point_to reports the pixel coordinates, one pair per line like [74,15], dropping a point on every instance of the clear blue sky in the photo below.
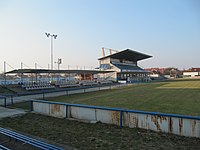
[169,30]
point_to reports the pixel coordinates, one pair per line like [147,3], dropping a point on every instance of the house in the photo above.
[192,73]
[155,72]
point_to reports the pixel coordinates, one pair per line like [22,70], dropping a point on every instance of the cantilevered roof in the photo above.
[128,54]
[56,71]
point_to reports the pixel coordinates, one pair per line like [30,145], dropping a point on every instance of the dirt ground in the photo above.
[96,136]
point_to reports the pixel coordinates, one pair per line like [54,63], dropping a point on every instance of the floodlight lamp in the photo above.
[55,36]
[47,34]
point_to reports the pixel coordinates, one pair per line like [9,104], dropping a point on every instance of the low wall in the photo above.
[169,123]
[10,99]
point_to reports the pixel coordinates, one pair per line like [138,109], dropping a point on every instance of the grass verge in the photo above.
[96,136]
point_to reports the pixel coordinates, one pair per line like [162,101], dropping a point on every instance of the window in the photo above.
[105,66]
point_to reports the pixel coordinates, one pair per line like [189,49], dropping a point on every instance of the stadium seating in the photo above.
[37,86]
[104,81]
[87,83]
[66,84]
[30,86]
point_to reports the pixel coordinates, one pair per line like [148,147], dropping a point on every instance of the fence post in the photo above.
[67,93]
[31,105]
[121,119]
[5,102]
[43,95]
[66,115]
[12,99]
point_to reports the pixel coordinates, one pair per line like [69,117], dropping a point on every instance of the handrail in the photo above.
[28,140]
[3,147]
[118,109]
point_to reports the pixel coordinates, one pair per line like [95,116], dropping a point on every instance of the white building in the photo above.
[192,73]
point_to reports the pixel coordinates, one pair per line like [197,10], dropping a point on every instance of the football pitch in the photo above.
[173,96]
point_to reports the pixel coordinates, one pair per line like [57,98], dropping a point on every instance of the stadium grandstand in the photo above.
[121,66]
[39,79]
[124,65]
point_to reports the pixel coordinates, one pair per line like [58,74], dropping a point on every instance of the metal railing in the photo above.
[156,121]
[28,140]
[3,148]
[4,99]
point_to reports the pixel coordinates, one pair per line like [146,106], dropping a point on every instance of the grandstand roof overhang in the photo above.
[37,71]
[128,54]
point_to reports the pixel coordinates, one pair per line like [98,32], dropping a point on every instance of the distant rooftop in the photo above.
[192,70]
[128,54]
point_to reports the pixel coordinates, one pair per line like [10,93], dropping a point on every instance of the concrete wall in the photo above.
[169,123]
[15,99]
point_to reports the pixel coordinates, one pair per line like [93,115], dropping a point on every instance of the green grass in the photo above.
[179,97]
[176,96]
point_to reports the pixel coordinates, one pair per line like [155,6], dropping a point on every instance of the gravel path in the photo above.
[6,112]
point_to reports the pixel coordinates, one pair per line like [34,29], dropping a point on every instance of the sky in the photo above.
[168,30]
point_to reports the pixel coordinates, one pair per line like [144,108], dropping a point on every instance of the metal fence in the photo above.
[169,123]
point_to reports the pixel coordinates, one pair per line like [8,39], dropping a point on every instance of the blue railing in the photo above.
[28,140]
[115,109]
[3,148]
[4,98]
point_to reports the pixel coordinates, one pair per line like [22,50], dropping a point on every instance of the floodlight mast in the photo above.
[52,36]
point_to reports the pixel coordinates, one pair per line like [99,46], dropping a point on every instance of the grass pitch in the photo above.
[176,96]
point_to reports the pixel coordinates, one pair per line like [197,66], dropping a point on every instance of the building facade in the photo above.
[192,73]
[124,65]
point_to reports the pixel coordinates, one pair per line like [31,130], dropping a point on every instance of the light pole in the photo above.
[58,62]
[4,72]
[52,36]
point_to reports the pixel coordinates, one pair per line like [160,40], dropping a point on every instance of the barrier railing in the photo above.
[28,140]
[4,99]
[170,123]
[3,148]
